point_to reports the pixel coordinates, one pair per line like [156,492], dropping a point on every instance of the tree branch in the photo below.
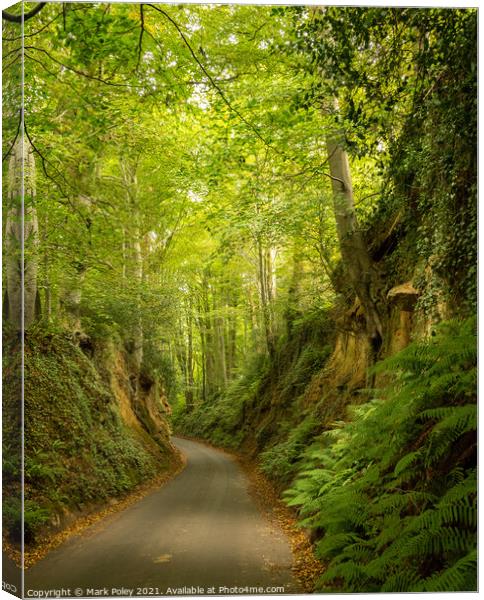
[367,197]
[43,160]
[7,54]
[12,62]
[142,30]
[20,37]
[6,16]
[77,72]
[7,154]
[61,81]
[224,97]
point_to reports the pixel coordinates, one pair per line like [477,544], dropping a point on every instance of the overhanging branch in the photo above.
[6,16]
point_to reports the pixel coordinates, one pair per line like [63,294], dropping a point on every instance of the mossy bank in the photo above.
[88,437]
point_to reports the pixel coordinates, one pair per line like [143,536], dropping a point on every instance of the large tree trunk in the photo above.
[356,258]
[21,229]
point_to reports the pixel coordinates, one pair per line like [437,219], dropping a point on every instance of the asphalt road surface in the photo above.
[200,530]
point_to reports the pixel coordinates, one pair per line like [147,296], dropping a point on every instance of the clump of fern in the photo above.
[392,494]
[281,461]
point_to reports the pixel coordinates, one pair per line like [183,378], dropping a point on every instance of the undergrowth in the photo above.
[78,450]
[220,420]
[228,420]
[282,461]
[392,494]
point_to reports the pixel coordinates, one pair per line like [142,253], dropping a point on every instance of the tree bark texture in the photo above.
[21,229]
[357,260]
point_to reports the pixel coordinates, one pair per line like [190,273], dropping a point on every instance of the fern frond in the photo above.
[351,572]
[405,462]
[467,488]
[435,541]
[401,582]
[460,577]
[454,422]
[331,544]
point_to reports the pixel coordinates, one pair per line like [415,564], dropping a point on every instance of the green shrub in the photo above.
[34,517]
[40,468]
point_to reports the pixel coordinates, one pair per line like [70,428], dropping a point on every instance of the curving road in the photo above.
[199,531]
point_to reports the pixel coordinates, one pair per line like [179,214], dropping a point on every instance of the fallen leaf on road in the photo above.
[163,558]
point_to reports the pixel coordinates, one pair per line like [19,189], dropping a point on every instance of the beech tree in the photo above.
[194,195]
[359,265]
[21,236]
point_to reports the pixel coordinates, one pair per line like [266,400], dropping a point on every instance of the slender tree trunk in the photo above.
[231,331]
[265,298]
[47,282]
[125,258]
[190,375]
[203,352]
[252,316]
[217,325]
[292,309]
[181,355]
[48,299]
[211,373]
[72,295]
[271,275]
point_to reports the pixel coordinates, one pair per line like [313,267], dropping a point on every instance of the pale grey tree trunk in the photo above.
[189,394]
[72,295]
[138,277]
[21,228]
[357,260]
[134,236]
[265,296]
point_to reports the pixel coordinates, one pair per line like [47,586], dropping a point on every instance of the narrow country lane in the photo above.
[201,530]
